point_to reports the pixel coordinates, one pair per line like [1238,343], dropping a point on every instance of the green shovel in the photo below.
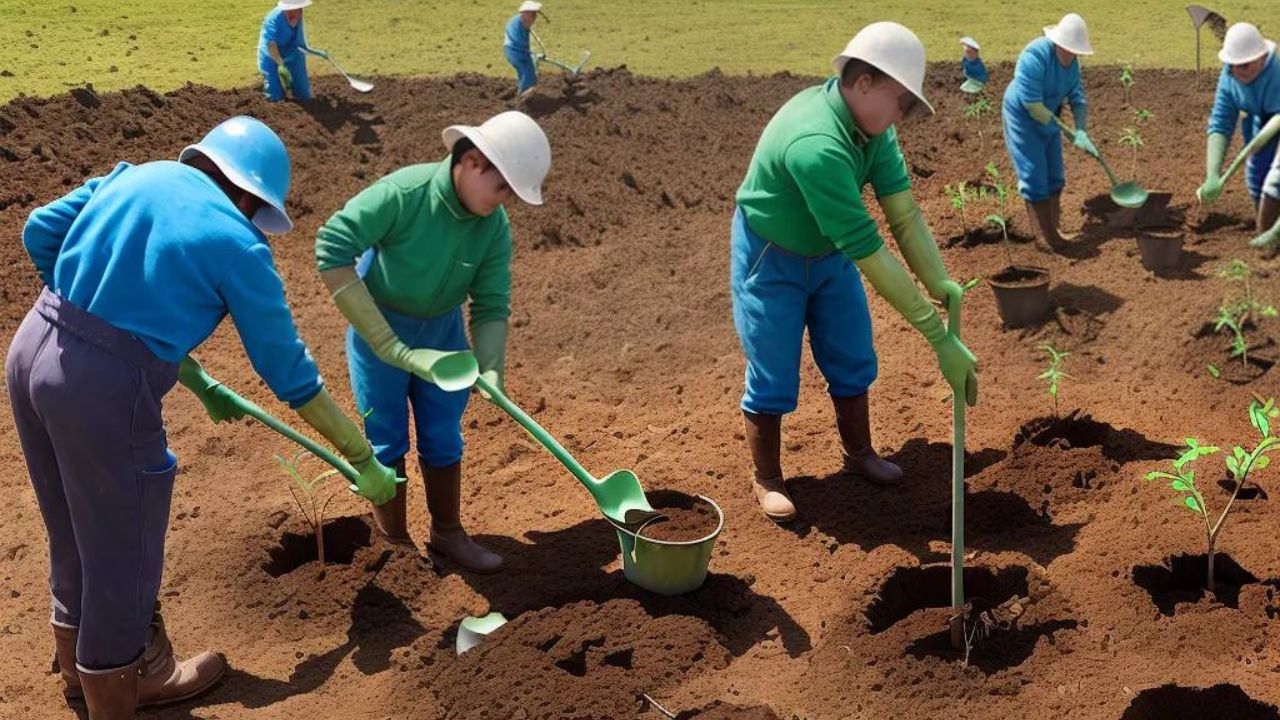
[618,494]
[1127,194]
[957,490]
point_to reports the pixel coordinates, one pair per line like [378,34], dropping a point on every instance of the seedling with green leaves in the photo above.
[1000,219]
[959,196]
[1141,115]
[1250,307]
[975,110]
[1054,374]
[1126,81]
[1240,463]
[1232,317]
[315,492]
[1133,139]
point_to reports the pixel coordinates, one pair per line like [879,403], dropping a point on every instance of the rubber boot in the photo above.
[390,517]
[444,501]
[165,679]
[1055,218]
[111,694]
[853,419]
[1041,213]
[64,660]
[764,437]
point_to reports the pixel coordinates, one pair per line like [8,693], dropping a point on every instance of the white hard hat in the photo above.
[970,42]
[1244,43]
[530,6]
[892,49]
[1070,34]
[292,4]
[514,143]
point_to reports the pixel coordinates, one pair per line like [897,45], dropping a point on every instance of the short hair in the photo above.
[855,68]
[460,148]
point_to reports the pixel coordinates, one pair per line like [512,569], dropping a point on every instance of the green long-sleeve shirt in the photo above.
[431,253]
[803,189]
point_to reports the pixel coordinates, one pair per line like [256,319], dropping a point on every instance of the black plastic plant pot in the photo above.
[1161,247]
[1022,295]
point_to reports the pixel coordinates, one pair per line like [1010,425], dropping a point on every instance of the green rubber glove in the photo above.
[352,297]
[376,482]
[1215,152]
[916,242]
[286,78]
[893,283]
[1082,141]
[490,342]
[1268,240]
[1039,112]
[218,400]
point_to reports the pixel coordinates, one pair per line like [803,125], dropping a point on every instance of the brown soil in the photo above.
[1018,276]
[622,339]
[692,520]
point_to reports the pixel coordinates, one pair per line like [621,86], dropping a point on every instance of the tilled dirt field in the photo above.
[623,345]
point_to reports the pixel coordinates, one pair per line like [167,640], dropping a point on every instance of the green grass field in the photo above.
[51,45]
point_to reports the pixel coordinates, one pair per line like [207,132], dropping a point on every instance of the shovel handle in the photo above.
[531,426]
[1264,136]
[954,301]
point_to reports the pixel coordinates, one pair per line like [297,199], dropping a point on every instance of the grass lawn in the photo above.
[51,45]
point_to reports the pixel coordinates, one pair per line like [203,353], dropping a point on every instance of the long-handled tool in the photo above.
[1263,137]
[356,84]
[1127,194]
[619,494]
[544,56]
[957,489]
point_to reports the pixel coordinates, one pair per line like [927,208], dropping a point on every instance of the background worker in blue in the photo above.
[140,266]
[971,62]
[1046,76]
[801,240]
[1249,85]
[282,45]
[516,45]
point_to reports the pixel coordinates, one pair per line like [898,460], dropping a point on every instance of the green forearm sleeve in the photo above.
[1039,112]
[915,241]
[1215,152]
[490,341]
[893,283]
[322,414]
[352,297]
[1081,114]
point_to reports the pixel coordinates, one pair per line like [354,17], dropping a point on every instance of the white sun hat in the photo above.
[514,143]
[292,4]
[1070,34]
[530,6]
[894,50]
[970,42]
[1244,43]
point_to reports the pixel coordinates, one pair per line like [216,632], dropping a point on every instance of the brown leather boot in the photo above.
[165,679]
[111,694]
[1043,222]
[444,501]
[764,437]
[64,660]
[853,419]
[390,517]
[1055,217]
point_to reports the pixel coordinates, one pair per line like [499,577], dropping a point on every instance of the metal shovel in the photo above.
[1264,136]
[1125,194]
[618,494]
[357,85]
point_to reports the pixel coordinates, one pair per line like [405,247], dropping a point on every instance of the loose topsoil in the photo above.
[693,521]
[622,341]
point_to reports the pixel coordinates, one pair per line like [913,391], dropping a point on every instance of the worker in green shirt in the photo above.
[800,238]
[428,237]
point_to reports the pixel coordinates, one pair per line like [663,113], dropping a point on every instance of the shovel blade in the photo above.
[1129,195]
[359,85]
[621,497]
[453,371]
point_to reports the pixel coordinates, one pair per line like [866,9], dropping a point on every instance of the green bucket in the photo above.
[667,567]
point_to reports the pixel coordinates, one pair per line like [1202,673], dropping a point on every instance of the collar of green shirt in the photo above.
[442,190]
[841,109]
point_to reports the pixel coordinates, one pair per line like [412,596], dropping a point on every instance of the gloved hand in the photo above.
[1268,240]
[352,297]
[286,78]
[889,279]
[376,483]
[1039,112]
[219,401]
[1083,142]
[1215,151]
[916,242]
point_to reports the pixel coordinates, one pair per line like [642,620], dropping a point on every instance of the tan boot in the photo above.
[64,647]
[110,694]
[444,501]
[390,517]
[1055,218]
[764,437]
[853,419]
[165,679]
[1042,220]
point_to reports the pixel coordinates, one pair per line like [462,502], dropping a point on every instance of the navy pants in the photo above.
[526,71]
[86,404]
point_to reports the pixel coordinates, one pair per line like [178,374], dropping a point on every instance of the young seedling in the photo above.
[975,110]
[958,194]
[1232,317]
[1001,219]
[314,491]
[1239,464]
[1141,115]
[1238,271]
[1126,80]
[1131,137]
[1054,374]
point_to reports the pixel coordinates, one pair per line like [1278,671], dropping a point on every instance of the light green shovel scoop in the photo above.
[1127,194]
[618,494]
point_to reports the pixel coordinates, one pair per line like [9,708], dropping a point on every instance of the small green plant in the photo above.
[975,110]
[1240,463]
[314,491]
[1238,271]
[1000,219]
[1231,317]
[1131,137]
[1126,81]
[959,197]
[1054,374]
[1141,115]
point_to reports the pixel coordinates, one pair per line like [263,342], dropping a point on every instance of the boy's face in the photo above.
[970,53]
[1246,73]
[878,104]
[293,16]
[527,17]
[481,188]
